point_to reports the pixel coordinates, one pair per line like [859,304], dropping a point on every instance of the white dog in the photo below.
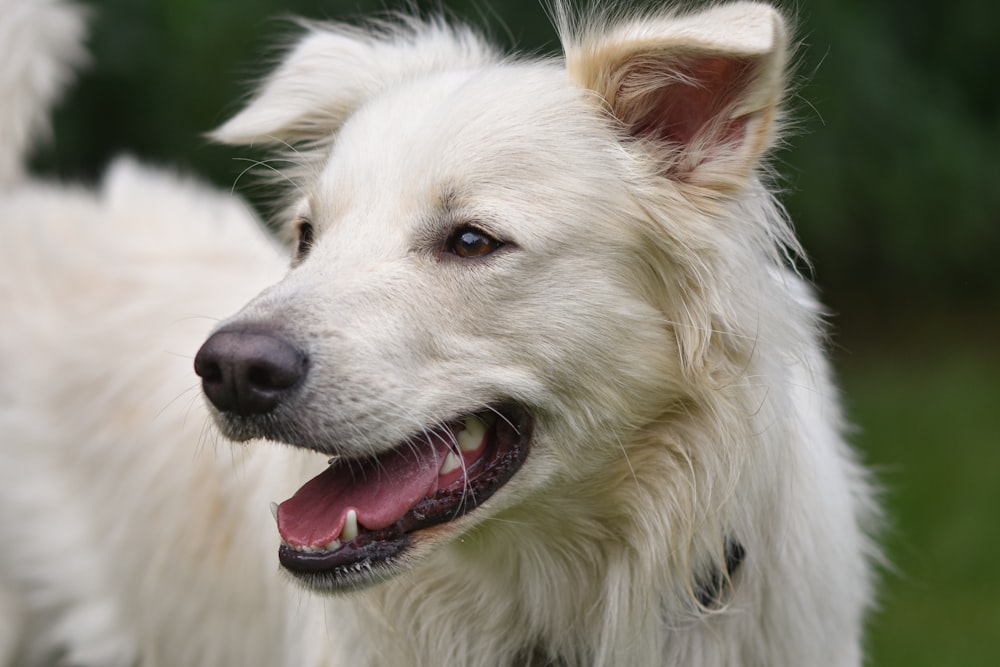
[539,313]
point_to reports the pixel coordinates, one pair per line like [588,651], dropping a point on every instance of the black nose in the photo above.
[248,372]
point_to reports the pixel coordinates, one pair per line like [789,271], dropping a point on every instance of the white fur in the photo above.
[39,39]
[646,316]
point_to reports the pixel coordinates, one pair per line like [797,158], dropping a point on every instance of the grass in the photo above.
[927,413]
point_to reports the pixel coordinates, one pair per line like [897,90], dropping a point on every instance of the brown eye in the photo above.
[470,242]
[305,240]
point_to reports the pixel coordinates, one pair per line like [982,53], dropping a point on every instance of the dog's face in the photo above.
[474,311]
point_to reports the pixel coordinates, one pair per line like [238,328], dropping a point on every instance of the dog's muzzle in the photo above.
[353,523]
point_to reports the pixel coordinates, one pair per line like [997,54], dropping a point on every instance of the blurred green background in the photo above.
[892,176]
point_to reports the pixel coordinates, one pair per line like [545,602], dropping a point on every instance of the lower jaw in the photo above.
[348,568]
[369,559]
[374,556]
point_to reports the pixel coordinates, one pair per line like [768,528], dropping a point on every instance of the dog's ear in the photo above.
[700,91]
[334,69]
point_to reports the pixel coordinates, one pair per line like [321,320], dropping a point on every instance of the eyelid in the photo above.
[483,226]
[303,238]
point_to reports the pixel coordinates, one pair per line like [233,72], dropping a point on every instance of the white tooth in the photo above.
[333,546]
[451,462]
[472,435]
[274,510]
[350,530]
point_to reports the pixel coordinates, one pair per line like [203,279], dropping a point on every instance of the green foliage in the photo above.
[896,186]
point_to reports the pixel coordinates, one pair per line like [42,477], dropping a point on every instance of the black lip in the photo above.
[375,555]
[352,566]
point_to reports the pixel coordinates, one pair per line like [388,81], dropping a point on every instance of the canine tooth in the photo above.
[470,437]
[274,510]
[350,530]
[451,462]
[333,546]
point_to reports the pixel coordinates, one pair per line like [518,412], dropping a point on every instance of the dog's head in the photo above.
[501,268]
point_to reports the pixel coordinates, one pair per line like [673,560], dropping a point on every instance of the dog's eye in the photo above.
[469,242]
[305,239]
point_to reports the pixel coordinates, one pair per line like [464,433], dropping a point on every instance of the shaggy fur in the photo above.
[688,498]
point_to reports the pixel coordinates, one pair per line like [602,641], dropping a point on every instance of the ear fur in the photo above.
[334,68]
[700,90]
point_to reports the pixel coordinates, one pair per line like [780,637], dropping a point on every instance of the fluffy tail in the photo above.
[40,42]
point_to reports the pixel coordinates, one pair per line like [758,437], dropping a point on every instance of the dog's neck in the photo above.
[493,583]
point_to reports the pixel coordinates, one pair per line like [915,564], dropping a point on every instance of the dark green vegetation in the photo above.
[926,405]
[892,175]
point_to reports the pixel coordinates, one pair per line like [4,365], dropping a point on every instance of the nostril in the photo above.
[261,377]
[275,375]
[208,371]
[248,372]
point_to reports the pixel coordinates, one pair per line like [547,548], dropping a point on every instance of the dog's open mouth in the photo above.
[349,525]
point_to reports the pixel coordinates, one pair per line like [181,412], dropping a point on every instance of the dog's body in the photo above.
[591,257]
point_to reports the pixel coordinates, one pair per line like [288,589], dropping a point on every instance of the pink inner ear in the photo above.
[692,102]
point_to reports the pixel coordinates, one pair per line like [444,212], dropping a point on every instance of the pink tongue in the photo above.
[381,492]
